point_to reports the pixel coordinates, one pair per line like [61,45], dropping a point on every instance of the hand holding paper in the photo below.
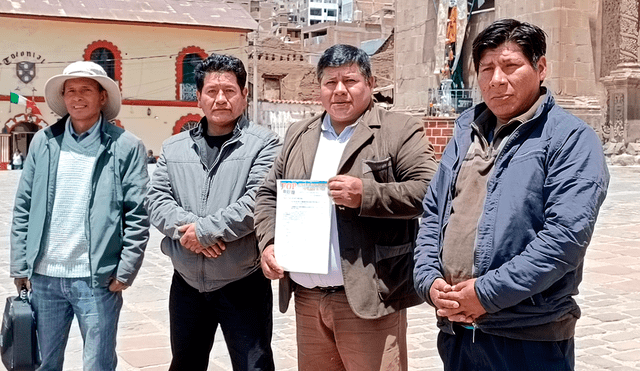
[346,191]
[269,265]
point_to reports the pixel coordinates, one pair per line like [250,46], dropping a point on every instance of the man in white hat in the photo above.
[79,225]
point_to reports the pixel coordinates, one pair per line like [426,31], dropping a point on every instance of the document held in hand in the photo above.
[303,226]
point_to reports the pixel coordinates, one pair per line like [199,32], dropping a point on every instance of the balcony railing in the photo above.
[451,102]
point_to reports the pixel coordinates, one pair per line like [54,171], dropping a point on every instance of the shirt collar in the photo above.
[92,132]
[330,132]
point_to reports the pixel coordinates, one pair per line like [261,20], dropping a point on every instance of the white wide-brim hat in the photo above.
[54,86]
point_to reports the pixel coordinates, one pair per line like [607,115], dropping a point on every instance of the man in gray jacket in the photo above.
[202,198]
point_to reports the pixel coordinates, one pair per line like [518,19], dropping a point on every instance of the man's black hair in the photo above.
[531,38]
[220,63]
[340,55]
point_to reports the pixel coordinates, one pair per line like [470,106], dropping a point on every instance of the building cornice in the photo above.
[124,22]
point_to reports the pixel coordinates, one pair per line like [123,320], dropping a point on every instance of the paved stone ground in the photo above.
[608,335]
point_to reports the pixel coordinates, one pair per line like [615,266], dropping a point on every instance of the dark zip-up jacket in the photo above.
[543,197]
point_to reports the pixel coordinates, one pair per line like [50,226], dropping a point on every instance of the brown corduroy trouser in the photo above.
[331,337]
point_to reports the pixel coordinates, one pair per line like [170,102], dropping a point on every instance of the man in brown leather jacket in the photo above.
[378,165]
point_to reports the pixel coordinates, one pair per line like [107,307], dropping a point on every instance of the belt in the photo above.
[329,289]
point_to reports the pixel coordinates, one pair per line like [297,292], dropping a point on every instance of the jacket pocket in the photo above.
[380,170]
[394,269]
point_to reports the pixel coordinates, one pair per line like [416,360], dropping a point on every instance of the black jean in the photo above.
[243,309]
[461,352]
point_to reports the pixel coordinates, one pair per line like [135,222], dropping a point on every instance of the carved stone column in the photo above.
[620,64]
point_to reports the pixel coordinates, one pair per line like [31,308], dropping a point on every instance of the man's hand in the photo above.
[189,238]
[437,292]
[116,285]
[214,250]
[270,267]
[470,308]
[22,282]
[190,241]
[346,191]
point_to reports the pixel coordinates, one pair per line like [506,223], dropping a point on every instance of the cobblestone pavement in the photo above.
[608,335]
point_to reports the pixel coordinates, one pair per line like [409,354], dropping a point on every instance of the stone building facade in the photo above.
[284,73]
[576,57]
[620,73]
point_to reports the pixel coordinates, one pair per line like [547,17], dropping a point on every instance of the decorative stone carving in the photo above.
[617,127]
[619,33]
[621,70]
[610,29]
[628,31]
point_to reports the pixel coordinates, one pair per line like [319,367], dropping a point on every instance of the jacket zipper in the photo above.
[215,163]
[473,335]
[87,222]
[205,197]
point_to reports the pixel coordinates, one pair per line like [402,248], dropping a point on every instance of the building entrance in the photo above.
[17,134]
[21,136]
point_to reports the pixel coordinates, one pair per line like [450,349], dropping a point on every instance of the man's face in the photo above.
[222,101]
[83,99]
[509,83]
[345,93]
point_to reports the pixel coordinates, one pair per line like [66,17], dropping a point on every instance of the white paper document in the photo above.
[303,226]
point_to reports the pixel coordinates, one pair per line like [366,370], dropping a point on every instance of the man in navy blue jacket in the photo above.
[509,215]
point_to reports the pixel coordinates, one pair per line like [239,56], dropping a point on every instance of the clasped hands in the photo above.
[458,303]
[190,241]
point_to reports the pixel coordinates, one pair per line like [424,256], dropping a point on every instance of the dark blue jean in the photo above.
[243,309]
[461,352]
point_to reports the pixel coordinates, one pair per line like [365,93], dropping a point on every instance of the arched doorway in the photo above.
[17,134]
[21,136]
